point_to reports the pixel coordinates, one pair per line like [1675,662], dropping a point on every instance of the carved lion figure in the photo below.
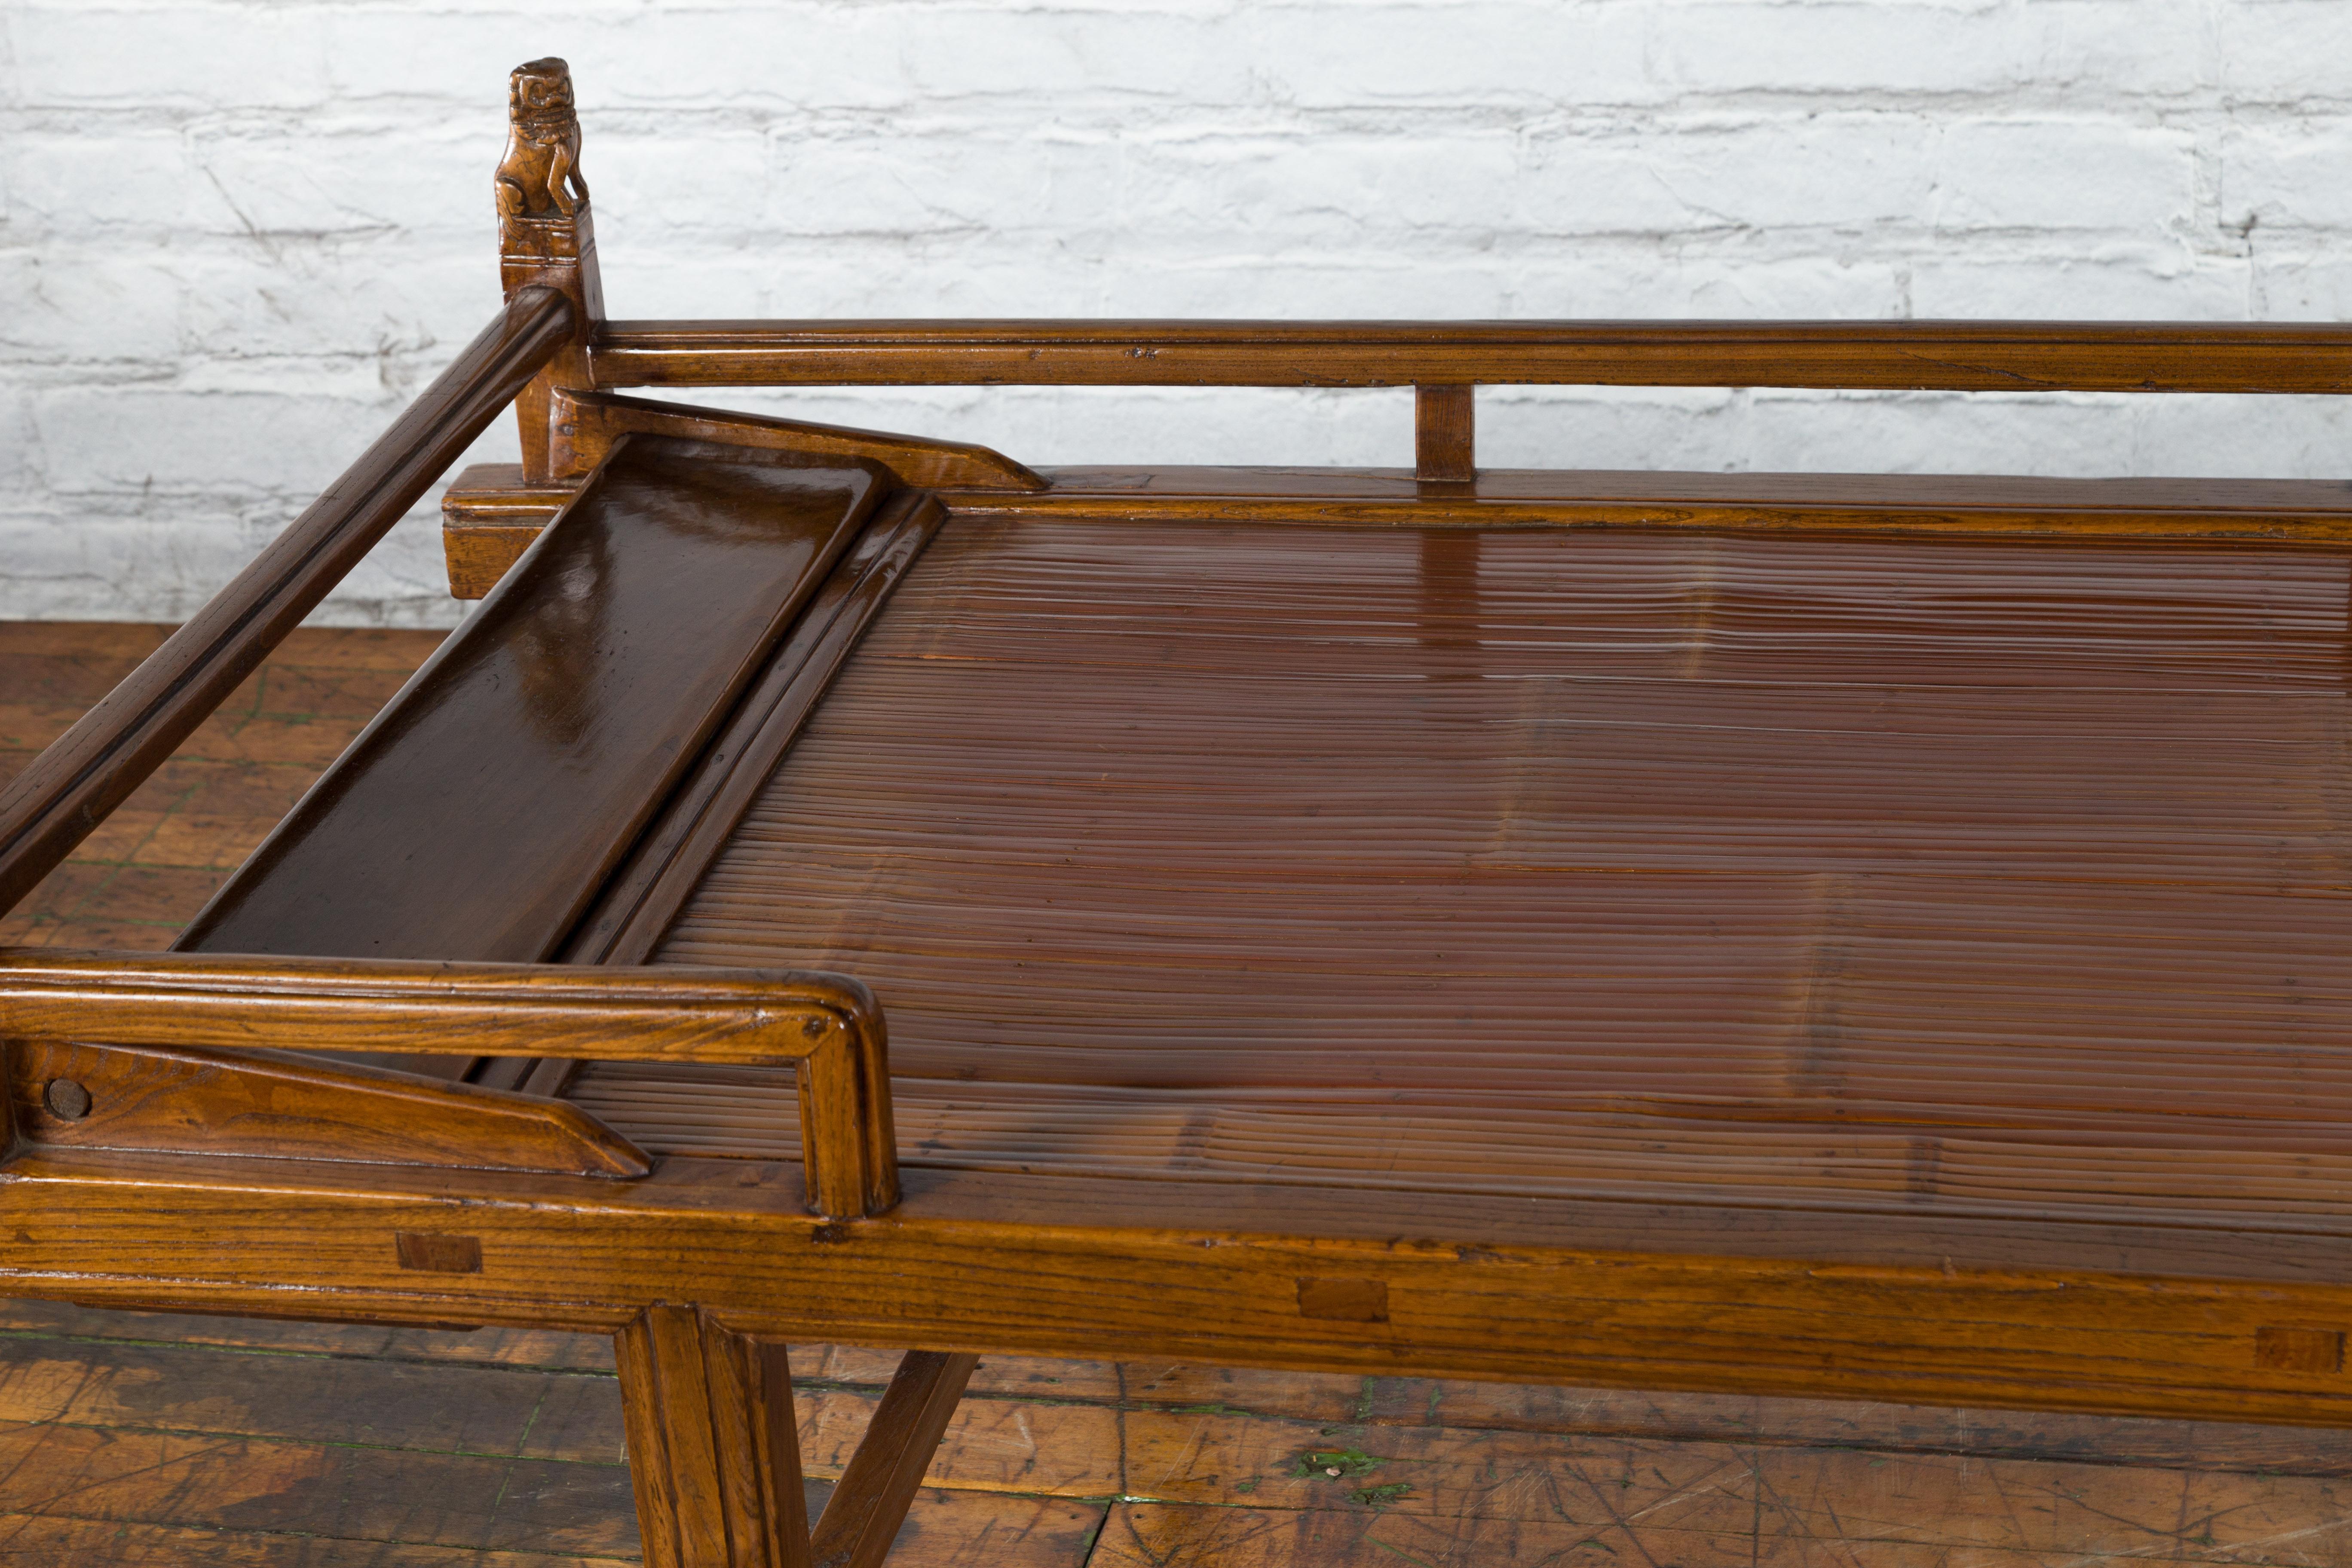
[540,175]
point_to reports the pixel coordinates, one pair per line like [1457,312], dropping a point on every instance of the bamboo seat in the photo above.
[1985,877]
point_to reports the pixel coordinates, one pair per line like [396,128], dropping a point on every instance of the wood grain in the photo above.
[643,896]
[715,1460]
[547,237]
[218,1103]
[1445,434]
[134,882]
[1494,931]
[561,711]
[588,423]
[1954,356]
[54,802]
[2282,510]
[1143,1535]
[830,1027]
[1143,1270]
[482,1502]
[1714,1489]
[482,542]
[1837,874]
[66,1542]
[1013,1477]
[489,515]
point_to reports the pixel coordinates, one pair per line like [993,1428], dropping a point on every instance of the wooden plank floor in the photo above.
[151,1440]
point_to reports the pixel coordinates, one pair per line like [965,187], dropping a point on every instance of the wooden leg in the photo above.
[714,1451]
[871,1501]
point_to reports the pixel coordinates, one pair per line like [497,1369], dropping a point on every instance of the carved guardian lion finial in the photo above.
[540,176]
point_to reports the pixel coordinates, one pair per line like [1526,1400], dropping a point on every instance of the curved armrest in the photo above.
[828,1025]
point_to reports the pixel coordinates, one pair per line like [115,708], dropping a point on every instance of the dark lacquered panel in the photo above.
[2003,877]
[481,811]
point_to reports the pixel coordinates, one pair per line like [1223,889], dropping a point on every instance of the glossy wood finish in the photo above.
[2317,511]
[484,536]
[645,896]
[54,802]
[1445,434]
[560,714]
[546,239]
[1838,874]
[134,883]
[713,1446]
[829,1028]
[489,515]
[1951,356]
[587,424]
[2024,1314]
[1512,927]
[159,1101]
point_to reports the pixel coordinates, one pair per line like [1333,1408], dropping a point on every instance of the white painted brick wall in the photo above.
[236,235]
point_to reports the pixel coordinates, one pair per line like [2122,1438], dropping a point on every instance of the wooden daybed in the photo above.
[1834,935]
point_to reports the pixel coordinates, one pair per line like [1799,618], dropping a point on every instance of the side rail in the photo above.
[827,1025]
[1444,361]
[68,790]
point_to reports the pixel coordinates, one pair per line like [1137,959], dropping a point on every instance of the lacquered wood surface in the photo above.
[135,883]
[1445,434]
[547,237]
[157,1100]
[66,792]
[1731,925]
[489,516]
[482,810]
[645,892]
[2287,510]
[491,519]
[713,1444]
[588,423]
[2121,1319]
[825,1027]
[1961,356]
[1966,879]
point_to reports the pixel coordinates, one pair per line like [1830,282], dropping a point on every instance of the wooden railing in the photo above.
[1952,356]
[68,789]
[828,1026]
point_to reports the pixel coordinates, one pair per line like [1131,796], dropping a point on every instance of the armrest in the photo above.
[90,769]
[828,1026]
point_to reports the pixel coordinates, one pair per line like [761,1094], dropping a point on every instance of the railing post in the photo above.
[546,240]
[1445,434]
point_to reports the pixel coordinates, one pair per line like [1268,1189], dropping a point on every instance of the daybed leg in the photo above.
[714,1452]
[879,1483]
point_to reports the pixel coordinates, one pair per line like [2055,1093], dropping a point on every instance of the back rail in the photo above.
[1930,356]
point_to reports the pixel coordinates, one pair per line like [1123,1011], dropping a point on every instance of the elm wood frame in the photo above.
[703,1268]
[828,1027]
